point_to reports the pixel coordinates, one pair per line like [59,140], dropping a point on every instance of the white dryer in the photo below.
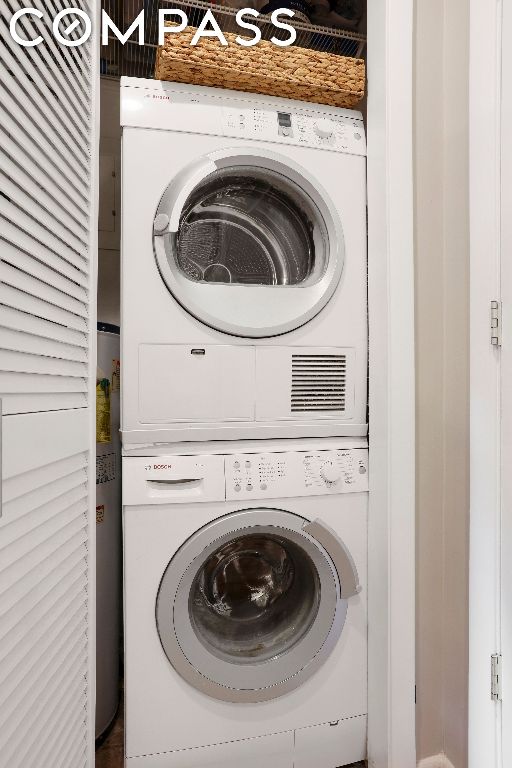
[245,607]
[244,309]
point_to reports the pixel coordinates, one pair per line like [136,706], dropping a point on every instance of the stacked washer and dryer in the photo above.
[244,429]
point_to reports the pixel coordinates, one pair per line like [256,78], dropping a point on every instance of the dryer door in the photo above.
[253,603]
[248,242]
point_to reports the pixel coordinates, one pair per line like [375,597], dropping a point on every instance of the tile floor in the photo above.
[110,753]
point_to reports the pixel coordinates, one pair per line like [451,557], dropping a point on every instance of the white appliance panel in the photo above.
[261,408]
[203,382]
[155,728]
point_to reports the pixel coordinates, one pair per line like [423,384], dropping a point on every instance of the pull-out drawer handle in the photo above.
[176,484]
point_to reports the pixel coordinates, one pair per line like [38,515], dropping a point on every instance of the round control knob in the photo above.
[330,473]
[324,128]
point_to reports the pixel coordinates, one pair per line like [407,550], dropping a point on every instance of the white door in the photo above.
[490,593]
[48,223]
[505,598]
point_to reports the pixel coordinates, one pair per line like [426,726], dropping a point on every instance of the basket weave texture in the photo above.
[292,72]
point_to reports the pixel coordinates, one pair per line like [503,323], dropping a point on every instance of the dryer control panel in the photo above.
[285,475]
[216,112]
[339,133]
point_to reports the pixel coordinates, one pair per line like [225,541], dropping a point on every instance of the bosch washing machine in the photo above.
[244,307]
[245,605]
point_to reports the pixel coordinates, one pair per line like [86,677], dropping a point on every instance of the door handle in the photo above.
[339,554]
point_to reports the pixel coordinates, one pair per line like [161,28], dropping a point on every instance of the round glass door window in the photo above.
[251,605]
[247,226]
[254,598]
[248,245]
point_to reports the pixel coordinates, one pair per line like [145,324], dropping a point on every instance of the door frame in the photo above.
[484,737]
[391,531]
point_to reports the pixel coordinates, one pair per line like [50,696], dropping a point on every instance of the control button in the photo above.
[249,486]
[236,465]
[237,488]
[330,473]
[362,470]
[263,486]
[357,136]
[247,464]
[324,128]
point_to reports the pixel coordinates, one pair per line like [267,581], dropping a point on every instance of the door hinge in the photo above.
[496,677]
[496,323]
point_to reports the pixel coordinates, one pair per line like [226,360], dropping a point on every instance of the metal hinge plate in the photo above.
[496,677]
[496,323]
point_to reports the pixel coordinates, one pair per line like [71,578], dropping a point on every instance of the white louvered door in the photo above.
[48,241]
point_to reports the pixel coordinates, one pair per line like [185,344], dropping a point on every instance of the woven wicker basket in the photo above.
[293,73]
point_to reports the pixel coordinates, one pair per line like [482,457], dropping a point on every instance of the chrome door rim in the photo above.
[248,682]
[293,306]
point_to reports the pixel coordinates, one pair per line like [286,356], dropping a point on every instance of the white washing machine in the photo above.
[244,309]
[245,606]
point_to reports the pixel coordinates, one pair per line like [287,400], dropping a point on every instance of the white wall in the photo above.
[442,358]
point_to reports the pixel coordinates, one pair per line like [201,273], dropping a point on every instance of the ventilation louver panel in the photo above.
[318,383]
[46,146]
[48,242]
[44,615]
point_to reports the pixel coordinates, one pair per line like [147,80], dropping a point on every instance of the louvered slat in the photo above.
[318,383]
[34,386]
[19,299]
[41,234]
[53,610]
[36,542]
[48,73]
[21,363]
[67,57]
[44,175]
[70,557]
[23,679]
[46,402]
[42,475]
[24,121]
[37,326]
[53,271]
[26,242]
[29,91]
[18,278]
[42,155]
[38,204]
[34,345]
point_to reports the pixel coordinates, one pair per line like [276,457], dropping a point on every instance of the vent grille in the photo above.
[319,383]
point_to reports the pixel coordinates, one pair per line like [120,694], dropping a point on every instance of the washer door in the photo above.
[248,243]
[253,603]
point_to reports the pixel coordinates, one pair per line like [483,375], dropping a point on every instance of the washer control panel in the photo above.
[284,475]
[339,133]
